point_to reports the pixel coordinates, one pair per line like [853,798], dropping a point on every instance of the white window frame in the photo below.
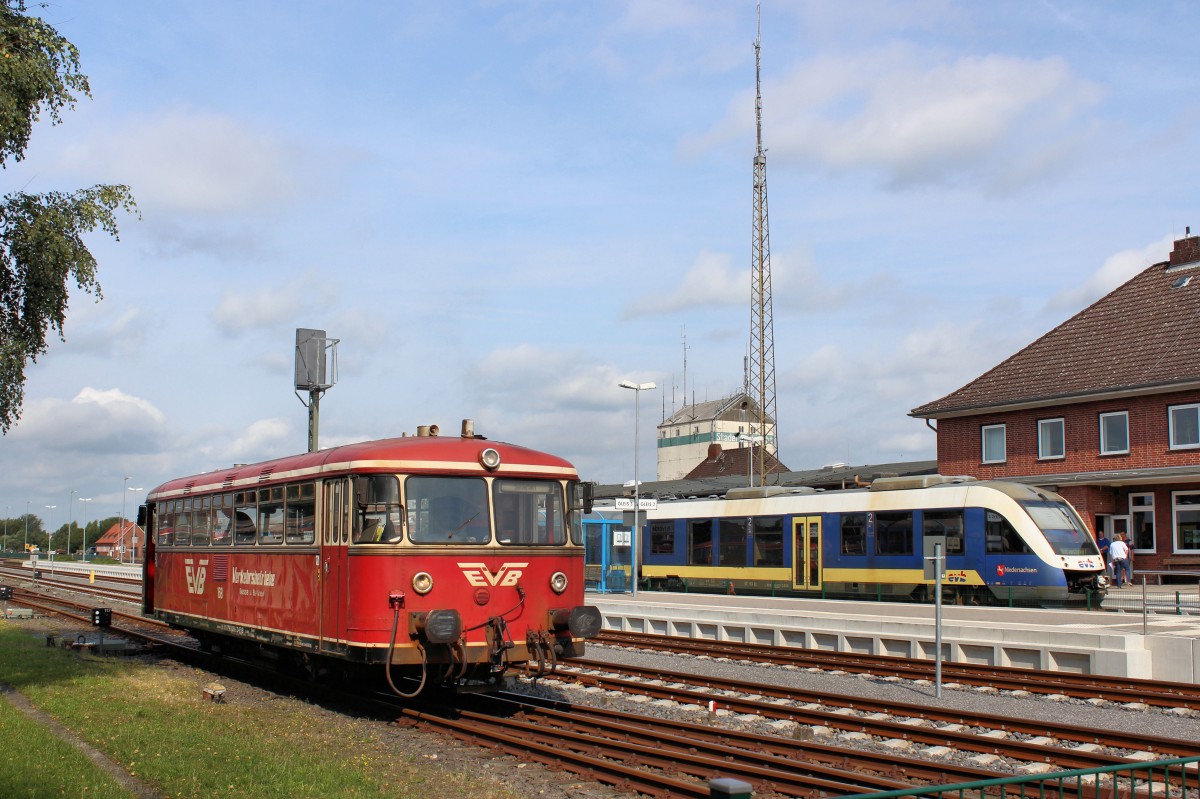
[1175,507]
[1171,409]
[1045,424]
[1137,510]
[1104,448]
[983,443]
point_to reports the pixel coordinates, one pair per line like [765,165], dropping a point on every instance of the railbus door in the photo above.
[335,535]
[806,553]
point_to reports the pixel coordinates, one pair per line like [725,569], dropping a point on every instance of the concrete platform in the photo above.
[1161,646]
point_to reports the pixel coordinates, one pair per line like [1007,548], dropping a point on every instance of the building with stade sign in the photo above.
[1104,409]
[684,439]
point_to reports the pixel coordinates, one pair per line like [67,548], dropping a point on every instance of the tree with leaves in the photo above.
[41,235]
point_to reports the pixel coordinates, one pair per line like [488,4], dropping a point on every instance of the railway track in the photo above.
[1156,693]
[659,756]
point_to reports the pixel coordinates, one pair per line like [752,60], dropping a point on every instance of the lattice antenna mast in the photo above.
[762,333]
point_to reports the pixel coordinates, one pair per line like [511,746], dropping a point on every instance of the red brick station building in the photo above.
[1104,409]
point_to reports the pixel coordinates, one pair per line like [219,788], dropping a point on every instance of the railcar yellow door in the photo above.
[806,553]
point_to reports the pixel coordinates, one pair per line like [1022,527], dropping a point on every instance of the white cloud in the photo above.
[193,162]
[977,117]
[241,310]
[711,280]
[1116,269]
[94,421]
[263,440]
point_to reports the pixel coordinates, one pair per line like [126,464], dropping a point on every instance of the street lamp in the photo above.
[50,537]
[121,535]
[85,499]
[26,527]
[70,519]
[635,539]
[6,510]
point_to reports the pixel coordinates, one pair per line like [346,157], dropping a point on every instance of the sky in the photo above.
[500,209]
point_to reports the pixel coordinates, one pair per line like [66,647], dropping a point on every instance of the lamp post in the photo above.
[70,519]
[26,527]
[6,510]
[85,499]
[635,539]
[121,535]
[50,538]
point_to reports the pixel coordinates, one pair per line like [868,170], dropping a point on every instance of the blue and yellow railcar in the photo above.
[1000,541]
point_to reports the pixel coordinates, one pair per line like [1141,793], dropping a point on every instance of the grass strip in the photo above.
[153,720]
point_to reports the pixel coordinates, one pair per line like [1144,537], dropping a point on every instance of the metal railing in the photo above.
[1178,777]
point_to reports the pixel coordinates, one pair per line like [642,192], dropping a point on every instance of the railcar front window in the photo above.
[1063,528]
[448,510]
[529,512]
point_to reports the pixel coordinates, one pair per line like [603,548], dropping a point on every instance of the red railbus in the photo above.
[450,560]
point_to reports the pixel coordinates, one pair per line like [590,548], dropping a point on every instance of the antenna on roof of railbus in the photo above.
[316,372]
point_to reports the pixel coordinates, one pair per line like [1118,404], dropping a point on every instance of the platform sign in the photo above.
[644,503]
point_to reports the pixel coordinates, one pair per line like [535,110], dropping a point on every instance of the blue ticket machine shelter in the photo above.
[608,545]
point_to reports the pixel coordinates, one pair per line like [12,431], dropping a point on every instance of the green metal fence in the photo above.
[1179,777]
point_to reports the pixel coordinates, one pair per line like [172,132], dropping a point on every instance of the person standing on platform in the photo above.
[1121,565]
[1103,544]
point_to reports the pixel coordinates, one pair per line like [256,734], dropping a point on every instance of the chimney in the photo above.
[1187,250]
[714,451]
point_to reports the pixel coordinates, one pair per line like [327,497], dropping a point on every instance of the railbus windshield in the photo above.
[1064,529]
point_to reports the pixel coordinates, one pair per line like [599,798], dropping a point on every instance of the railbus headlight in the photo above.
[558,582]
[489,459]
[422,583]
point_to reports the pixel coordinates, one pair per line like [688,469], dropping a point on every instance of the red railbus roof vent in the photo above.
[266,474]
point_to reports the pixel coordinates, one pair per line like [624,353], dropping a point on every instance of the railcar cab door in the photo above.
[806,553]
[335,535]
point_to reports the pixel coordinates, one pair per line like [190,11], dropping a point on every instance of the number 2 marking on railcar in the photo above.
[195,575]
[479,575]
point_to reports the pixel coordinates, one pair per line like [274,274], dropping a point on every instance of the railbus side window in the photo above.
[1001,537]
[222,520]
[529,512]
[894,532]
[200,521]
[164,523]
[270,515]
[948,523]
[854,533]
[183,521]
[700,542]
[732,537]
[245,517]
[768,540]
[378,514]
[662,537]
[301,499]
